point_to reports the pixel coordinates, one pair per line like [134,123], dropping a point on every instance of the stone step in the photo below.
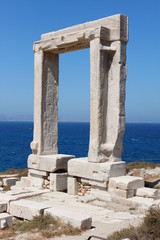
[29,182]
[27,209]
[73,217]
[126,182]
[25,182]
[5,220]
[17,194]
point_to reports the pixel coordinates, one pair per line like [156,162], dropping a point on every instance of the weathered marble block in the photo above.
[75,218]
[34,172]
[126,182]
[27,209]
[49,163]
[147,192]
[80,167]
[58,181]
[5,220]
[121,193]
[72,186]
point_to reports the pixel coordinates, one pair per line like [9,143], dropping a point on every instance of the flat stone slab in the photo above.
[147,192]
[8,197]
[49,163]
[76,219]
[80,167]
[27,209]
[8,175]
[126,182]
[34,172]
[5,220]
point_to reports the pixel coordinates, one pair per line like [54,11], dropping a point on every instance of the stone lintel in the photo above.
[80,167]
[118,23]
[114,28]
[49,163]
[72,41]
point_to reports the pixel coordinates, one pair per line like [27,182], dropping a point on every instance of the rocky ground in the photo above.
[107,214]
[107,217]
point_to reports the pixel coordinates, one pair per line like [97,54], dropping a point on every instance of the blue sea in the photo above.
[141,142]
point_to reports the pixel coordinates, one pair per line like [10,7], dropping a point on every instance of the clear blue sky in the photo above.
[23,21]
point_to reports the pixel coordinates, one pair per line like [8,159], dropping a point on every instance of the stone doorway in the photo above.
[107,42]
[107,39]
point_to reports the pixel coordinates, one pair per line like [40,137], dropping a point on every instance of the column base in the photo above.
[49,163]
[80,167]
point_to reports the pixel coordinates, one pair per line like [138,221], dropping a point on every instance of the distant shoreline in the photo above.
[29,121]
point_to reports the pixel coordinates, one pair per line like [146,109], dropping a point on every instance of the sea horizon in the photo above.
[141,141]
[77,122]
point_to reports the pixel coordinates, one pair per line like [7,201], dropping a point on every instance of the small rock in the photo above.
[46,182]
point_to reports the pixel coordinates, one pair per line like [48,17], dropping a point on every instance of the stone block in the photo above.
[10,181]
[49,163]
[58,181]
[95,183]
[5,220]
[27,209]
[18,194]
[72,186]
[25,182]
[34,172]
[121,193]
[37,182]
[3,207]
[147,192]
[126,182]
[80,167]
[74,218]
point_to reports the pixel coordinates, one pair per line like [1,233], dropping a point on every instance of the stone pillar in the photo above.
[98,85]
[45,103]
[115,117]
[107,100]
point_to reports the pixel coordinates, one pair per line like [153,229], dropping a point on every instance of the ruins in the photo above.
[107,39]
[60,184]
[103,170]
